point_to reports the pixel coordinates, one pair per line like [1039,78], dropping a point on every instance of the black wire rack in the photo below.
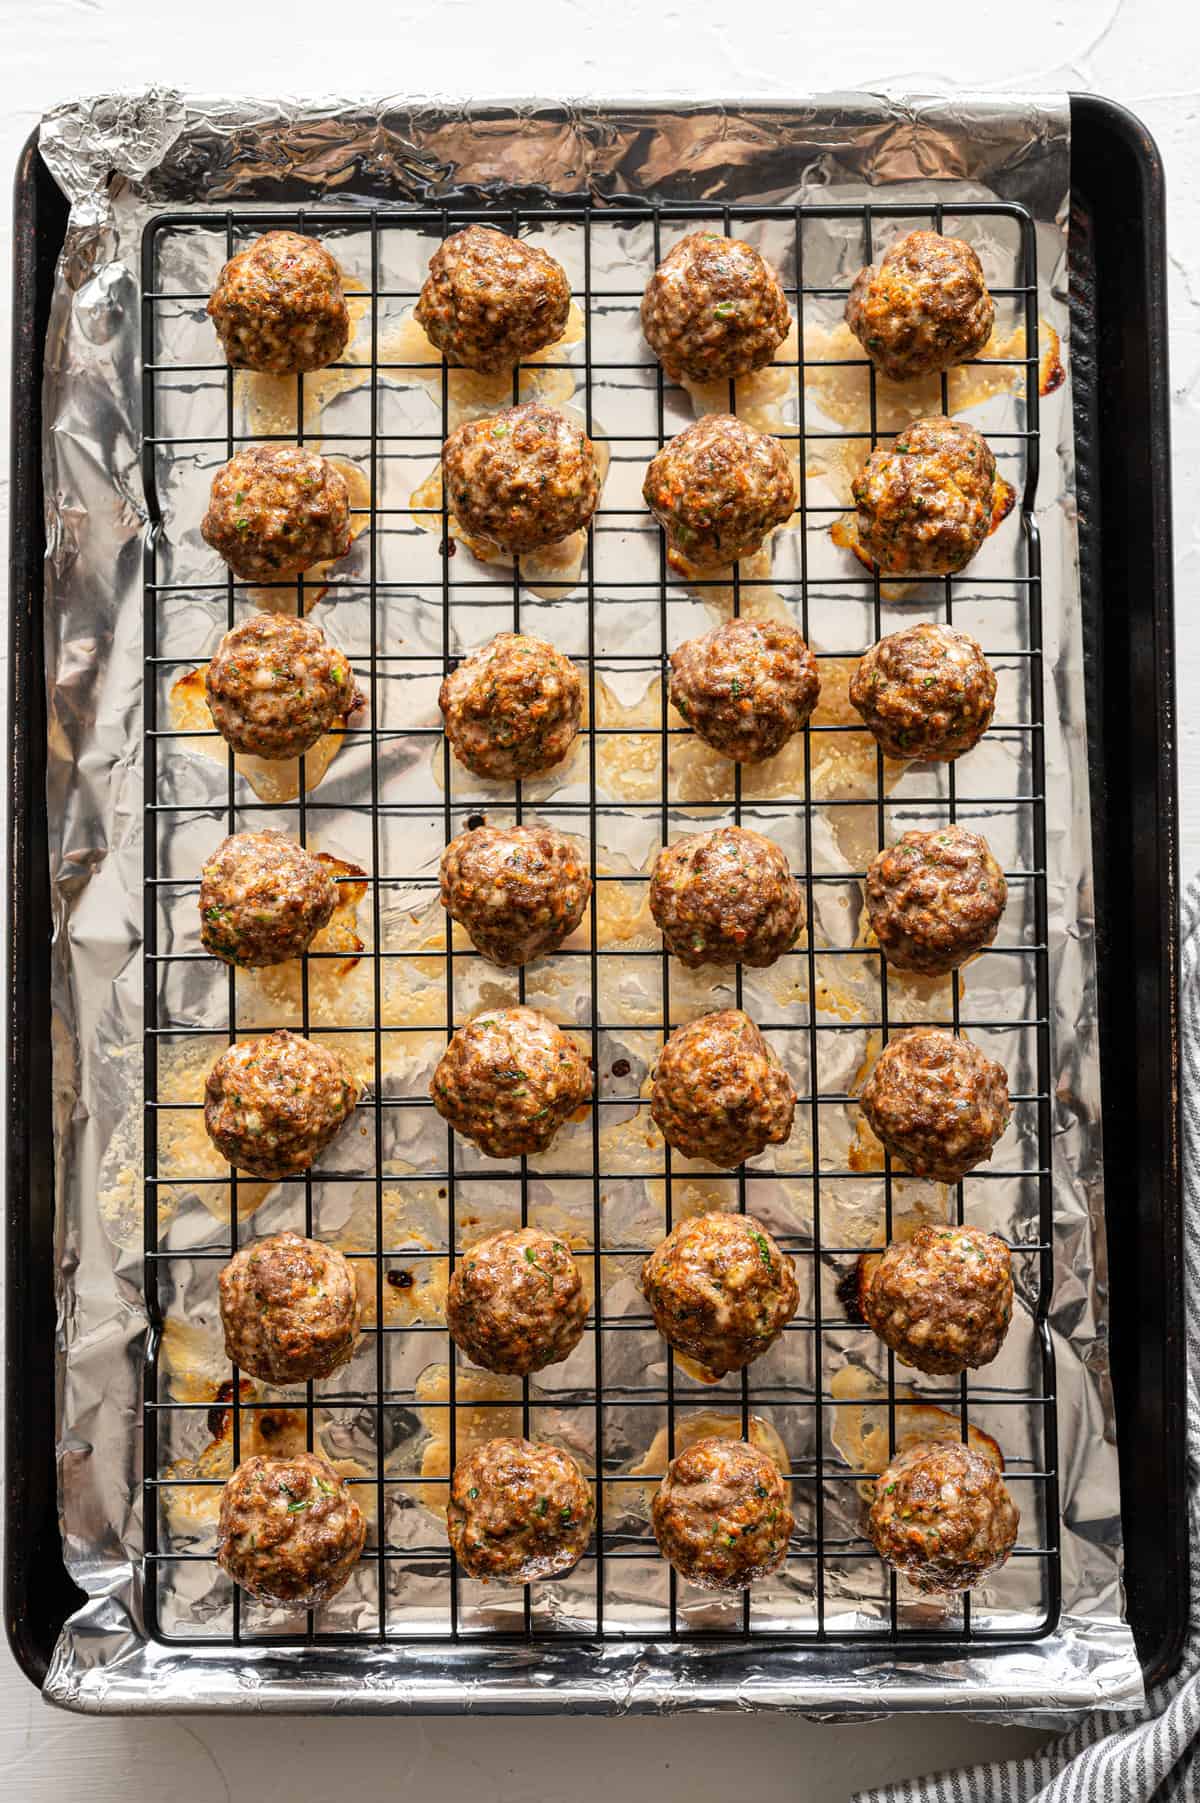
[832,1591]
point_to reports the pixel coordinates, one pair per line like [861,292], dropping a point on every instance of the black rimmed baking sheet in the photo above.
[26,639]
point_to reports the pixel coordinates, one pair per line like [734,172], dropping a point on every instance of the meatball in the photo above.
[925,307]
[508,1080]
[278,306]
[289,1307]
[720,1290]
[276,685]
[714,308]
[516,1301]
[925,692]
[943,1299]
[717,490]
[263,899]
[518,890]
[272,1105]
[725,897]
[719,1091]
[290,1531]
[512,708]
[943,1517]
[721,1514]
[490,300]
[519,1510]
[934,899]
[746,687]
[520,479]
[925,501]
[275,510]
[937,1103]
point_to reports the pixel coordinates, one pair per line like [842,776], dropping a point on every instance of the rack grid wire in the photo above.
[827,1603]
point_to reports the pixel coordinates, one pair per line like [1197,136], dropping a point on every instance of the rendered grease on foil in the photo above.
[178,155]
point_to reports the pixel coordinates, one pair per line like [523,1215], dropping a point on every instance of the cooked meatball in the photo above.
[721,1514]
[520,479]
[272,1105]
[745,687]
[943,1517]
[717,490]
[519,1510]
[508,1080]
[926,692]
[725,897]
[276,684]
[275,510]
[925,500]
[937,1103]
[925,307]
[714,308]
[263,899]
[943,1299]
[278,306]
[720,1291]
[518,890]
[934,899]
[290,1531]
[490,300]
[516,1301]
[289,1307]
[719,1091]
[512,708]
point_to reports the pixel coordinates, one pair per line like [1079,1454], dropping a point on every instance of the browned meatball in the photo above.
[272,1105]
[926,691]
[720,1291]
[278,306]
[519,1510]
[518,890]
[925,501]
[512,708]
[275,510]
[516,1301]
[508,1080]
[925,307]
[746,687]
[490,300]
[934,899]
[717,490]
[714,308]
[938,1103]
[276,684]
[721,1514]
[290,1531]
[725,897]
[289,1307]
[719,1091]
[520,479]
[943,1517]
[941,1300]
[263,899]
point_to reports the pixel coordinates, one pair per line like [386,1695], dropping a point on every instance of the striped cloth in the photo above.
[1110,1757]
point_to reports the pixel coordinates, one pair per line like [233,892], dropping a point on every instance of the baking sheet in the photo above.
[176,153]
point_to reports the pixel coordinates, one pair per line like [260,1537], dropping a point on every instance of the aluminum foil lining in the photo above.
[124,159]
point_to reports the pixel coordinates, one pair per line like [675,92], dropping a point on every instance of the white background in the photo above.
[1142,54]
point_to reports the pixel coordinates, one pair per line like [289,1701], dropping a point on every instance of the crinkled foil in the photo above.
[121,160]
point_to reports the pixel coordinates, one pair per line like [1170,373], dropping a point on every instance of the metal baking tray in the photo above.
[35,1613]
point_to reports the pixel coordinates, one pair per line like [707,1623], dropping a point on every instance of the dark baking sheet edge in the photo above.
[1119,331]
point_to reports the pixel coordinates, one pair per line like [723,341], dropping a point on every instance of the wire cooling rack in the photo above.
[411,601]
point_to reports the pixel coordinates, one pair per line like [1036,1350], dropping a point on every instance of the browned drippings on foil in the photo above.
[274,780]
[859,1424]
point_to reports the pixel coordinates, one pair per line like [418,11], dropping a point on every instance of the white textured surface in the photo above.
[1142,54]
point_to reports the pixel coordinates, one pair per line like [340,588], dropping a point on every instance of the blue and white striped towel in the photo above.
[1121,1758]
